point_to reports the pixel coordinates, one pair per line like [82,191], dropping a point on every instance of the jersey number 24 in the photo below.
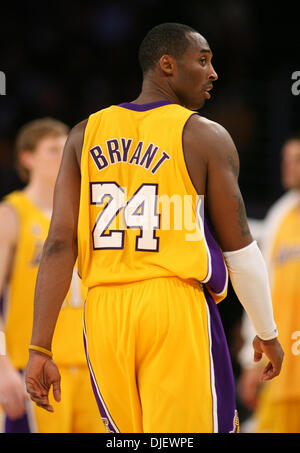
[139,212]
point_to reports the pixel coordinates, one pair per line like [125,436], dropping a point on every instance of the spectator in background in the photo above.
[24,223]
[276,404]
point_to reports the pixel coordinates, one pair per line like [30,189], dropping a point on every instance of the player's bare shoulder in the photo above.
[211,141]
[208,137]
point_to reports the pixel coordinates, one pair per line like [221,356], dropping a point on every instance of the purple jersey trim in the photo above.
[218,279]
[223,382]
[144,107]
[104,412]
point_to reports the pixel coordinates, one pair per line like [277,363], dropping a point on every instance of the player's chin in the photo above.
[202,98]
[197,105]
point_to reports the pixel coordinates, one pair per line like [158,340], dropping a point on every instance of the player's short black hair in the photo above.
[168,38]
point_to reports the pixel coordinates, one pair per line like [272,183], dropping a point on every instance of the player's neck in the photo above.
[153,91]
[41,195]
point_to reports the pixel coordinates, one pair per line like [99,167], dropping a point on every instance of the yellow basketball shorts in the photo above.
[158,358]
[276,416]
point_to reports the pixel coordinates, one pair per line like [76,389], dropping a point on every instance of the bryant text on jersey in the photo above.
[123,151]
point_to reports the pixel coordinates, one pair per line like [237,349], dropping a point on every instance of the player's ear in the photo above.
[167,64]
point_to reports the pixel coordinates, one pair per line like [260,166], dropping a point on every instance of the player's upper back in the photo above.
[140,216]
[150,131]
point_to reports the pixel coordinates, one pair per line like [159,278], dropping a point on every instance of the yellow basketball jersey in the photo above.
[140,216]
[19,297]
[285,272]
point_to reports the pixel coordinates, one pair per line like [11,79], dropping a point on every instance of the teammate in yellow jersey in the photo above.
[25,219]
[276,404]
[147,197]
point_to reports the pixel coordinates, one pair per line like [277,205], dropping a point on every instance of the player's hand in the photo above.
[12,390]
[41,373]
[248,386]
[273,351]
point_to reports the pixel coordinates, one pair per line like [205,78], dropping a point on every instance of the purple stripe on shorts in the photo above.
[105,415]
[218,276]
[144,107]
[222,369]
[18,426]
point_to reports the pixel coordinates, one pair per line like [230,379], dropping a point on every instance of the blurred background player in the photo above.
[276,404]
[24,223]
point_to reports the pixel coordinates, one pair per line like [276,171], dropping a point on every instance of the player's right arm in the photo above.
[55,272]
[211,145]
[12,391]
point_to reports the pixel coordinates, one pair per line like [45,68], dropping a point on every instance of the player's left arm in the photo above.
[55,272]
[246,266]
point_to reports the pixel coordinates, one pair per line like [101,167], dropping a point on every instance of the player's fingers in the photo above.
[270,372]
[47,407]
[42,402]
[56,391]
[34,393]
[273,373]
[257,356]
[33,387]
[38,397]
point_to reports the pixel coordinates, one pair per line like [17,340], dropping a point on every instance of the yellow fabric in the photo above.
[128,155]
[67,346]
[285,278]
[148,348]
[276,416]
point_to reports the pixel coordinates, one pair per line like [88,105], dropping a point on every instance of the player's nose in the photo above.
[213,76]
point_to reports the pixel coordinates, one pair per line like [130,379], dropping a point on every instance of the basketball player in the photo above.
[154,341]
[25,218]
[276,404]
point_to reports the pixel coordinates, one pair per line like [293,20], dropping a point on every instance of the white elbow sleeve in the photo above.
[249,278]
